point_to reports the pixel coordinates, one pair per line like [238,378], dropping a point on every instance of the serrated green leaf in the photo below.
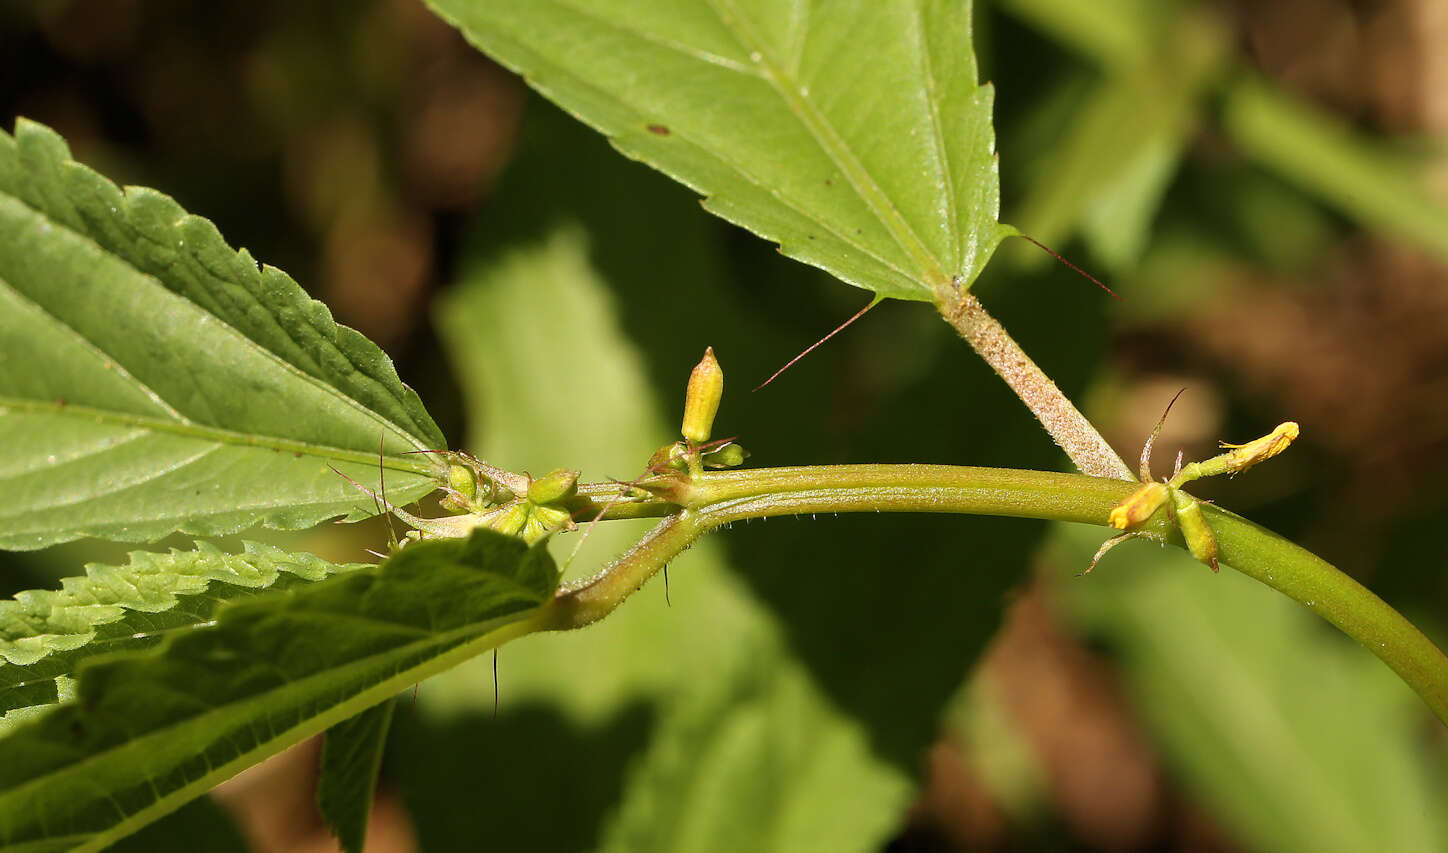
[351,757]
[880,170]
[1293,737]
[152,379]
[47,633]
[149,732]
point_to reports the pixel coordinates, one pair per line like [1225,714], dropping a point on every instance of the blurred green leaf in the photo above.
[764,763]
[154,380]
[1296,739]
[351,757]
[881,172]
[1112,32]
[1107,172]
[47,633]
[147,733]
[1316,151]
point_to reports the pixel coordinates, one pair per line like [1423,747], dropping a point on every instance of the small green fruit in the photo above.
[729,456]
[553,487]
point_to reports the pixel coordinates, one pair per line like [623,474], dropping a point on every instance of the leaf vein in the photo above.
[834,146]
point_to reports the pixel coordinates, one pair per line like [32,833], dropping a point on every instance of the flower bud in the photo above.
[558,484]
[545,520]
[729,456]
[509,519]
[670,457]
[463,486]
[1244,456]
[1137,508]
[701,400]
[1195,530]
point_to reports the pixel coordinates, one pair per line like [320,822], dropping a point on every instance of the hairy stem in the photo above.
[721,498]
[1087,450]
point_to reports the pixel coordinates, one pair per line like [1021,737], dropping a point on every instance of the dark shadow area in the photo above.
[199,825]
[529,780]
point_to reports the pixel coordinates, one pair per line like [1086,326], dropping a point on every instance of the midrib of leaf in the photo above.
[40,314]
[191,429]
[938,137]
[184,425]
[745,174]
[835,147]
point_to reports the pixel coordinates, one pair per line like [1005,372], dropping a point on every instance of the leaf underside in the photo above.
[851,132]
[147,733]
[153,380]
[351,757]
[47,633]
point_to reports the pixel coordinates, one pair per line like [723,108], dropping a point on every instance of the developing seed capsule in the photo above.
[670,457]
[464,485]
[509,519]
[1200,539]
[730,455]
[701,400]
[553,486]
[1138,507]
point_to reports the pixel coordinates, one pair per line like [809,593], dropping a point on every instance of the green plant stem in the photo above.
[722,498]
[1087,450]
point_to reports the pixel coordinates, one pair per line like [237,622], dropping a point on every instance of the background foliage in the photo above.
[1259,182]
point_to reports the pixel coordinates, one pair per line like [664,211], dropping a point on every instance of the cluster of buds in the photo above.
[481,495]
[1131,514]
[541,509]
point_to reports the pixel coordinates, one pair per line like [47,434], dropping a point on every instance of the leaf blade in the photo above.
[827,165]
[351,758]
[138,346]
[48,633]
[149,732]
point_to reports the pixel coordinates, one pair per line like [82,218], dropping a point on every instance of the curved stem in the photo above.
[721,498]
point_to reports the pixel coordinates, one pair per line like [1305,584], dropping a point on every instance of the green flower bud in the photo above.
[461,479]
[670,457]
[729,456]
[509,519]
[1138,507]
[464,489]
[553,487]
[534,530]
[701,400]
[1195,530]
[549,518]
